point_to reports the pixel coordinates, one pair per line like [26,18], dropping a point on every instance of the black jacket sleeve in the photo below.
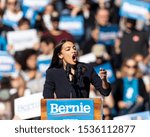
[97,82]
[49,86]
[118,90]
[142,89]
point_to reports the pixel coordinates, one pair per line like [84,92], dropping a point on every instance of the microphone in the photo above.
[77,79]
[68,70]
[81,69]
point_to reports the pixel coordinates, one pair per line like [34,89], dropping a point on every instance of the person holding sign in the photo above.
[68,78]
[130,93]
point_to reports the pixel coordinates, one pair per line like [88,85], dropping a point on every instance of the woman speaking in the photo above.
[68,78]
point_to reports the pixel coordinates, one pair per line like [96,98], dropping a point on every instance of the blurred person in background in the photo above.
[24,24]
[130,92]
[3,27]
[73,8]
[132,41]
[3,31]
[82,9]
[102,20]
[30,72]
[47,45]
[101,54]
[49,9]
[29,64]
[87,45]
[102,17]
[13,12]
[107,115]
[56,33]
[144,66]
[5,104]
[12,87]
[2,4]
[39,25]
[112,6]
[114,9]
[18,57]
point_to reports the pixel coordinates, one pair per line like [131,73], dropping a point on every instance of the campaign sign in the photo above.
[70,109]
[30,14]
[10,23]
[7,66]
[43,62]
[87,58]
[28,106]
[108,34]
[3,43]
[35,4]
[108,68]
[22,39]
[74,25]
[135,116]
[135,9]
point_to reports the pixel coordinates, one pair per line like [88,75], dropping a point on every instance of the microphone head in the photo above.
[68,70]
[81,69]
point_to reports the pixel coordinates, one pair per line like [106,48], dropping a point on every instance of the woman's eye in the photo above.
[67,49]
[74,48]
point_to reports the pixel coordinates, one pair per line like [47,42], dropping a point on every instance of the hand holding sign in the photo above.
[110,74]
[103,76]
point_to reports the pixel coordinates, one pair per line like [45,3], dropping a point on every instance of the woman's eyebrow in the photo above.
[67,47]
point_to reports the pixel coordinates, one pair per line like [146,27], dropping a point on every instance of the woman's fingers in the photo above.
[103,74]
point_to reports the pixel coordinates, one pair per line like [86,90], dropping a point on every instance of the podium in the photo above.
[71,109]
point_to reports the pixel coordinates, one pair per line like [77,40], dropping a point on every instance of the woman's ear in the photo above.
[60,56]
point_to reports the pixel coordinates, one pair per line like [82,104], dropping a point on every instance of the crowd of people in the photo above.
[126,47]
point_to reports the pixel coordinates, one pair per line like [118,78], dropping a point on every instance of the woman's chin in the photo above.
[73,63]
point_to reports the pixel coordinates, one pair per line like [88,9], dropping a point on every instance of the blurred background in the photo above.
[109,34]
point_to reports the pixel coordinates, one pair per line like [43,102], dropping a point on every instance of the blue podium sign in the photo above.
[70,109]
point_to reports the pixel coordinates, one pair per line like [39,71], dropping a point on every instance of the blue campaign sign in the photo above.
[135,116]
[74,25]
[70,109]
[108,34]
[136,9]
[108,68]
[31,8]
[7,65]
[130,90]
[10,23]
[30,14]
[37,5]
[3,43]
[43,65]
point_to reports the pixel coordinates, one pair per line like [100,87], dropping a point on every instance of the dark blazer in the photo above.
[58,83]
